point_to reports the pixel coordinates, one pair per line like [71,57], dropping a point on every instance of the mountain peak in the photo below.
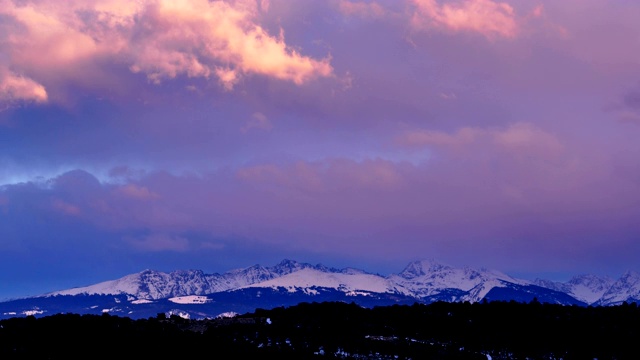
[591,280]
[288,264]
[422,267]
[426,280]
[631,276]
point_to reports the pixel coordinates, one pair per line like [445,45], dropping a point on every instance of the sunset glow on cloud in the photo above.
[161,39]
[483,16]
[218,134]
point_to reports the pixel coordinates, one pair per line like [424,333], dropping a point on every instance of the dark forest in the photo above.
[489,330]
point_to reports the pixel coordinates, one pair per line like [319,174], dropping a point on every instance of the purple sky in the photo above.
[218,134]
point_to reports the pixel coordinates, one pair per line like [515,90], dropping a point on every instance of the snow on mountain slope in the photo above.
[428,278]
[420,279]
[150,284]
[424,280]
[154,285]
[586,288]
[347,281]
[627,288]
[191,299]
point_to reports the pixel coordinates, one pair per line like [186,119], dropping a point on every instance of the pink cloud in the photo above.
[486,17]
[421,138]
[538,11]
[66,208]
[70,42]
[527,137]
[499,190]
[331,175]
[17,88]
[136,192]
[516,138]
[362,9]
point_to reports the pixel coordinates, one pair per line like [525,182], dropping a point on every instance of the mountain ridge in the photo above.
[196,293]
[420,279]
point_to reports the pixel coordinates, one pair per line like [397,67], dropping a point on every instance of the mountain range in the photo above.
[195,294]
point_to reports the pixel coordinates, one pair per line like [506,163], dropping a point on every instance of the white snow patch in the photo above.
[191,299]
[423,279]
[93,307]
[10,313]
[32,312]
[227,315]
[182,314]
[308,278]
[312,292]
[141,301]
[586,294]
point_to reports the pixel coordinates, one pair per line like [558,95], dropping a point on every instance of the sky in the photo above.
[214,135]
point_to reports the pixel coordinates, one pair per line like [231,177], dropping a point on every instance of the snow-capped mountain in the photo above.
[427,278]
[350,281]
[423,280]
[151,284]
[627,288]
[206,295]
[154,285]
[587,288]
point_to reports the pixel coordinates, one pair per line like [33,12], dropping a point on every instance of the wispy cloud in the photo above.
[258,121]
[516,138]
[489,18]
[363,9]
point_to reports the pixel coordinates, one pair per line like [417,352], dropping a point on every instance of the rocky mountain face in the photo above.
[290,282]
[625,289]
[154,285]
[587,288]
[425,280]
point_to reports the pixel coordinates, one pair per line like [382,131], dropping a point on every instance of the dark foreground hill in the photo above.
[496,330]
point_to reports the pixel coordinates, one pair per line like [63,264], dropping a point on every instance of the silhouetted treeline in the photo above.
[502,330]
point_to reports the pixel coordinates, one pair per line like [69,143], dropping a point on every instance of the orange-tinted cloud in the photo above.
[489,18]
[14,88]
[73,41]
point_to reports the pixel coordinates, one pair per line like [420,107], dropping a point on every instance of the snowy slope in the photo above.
[154,285]
[429,278]
[424,280]
[587,288]
[348,281]
[627,288]
[150,284]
